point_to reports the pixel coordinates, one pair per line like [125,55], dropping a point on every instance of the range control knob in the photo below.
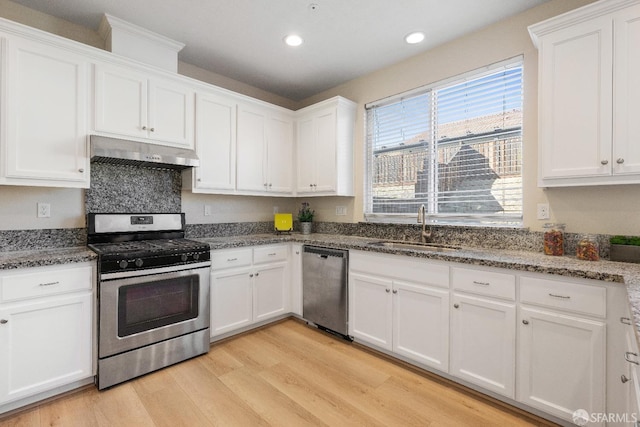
[139,262]
[196,256]
[123,263]
[184,257]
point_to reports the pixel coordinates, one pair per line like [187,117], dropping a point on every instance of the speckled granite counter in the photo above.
[39,258]
[617,272]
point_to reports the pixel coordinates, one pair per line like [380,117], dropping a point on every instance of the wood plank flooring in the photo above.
[286,374]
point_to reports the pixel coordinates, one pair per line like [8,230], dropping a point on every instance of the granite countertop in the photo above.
[39,258]
[626,274]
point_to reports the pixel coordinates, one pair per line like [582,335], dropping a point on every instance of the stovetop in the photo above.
[141,248]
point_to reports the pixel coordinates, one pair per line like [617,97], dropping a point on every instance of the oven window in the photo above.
[151,305]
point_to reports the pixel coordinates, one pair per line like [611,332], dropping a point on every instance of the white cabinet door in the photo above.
[306,155]
[45,344]
[325,153]
[370,310]
[270,292]
[483,342]
[215,143]
[575,100]
[626,107]
[231,300]
[132,103]
[121,101]
[421,324]
[561,363]
[279,154]
[171,112]
[251,149]
[46,116]
[296,279]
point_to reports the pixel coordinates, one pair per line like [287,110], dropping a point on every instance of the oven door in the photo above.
[162,304]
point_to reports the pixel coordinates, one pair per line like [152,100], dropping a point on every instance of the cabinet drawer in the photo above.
[400,267]
[489,283]
[270,254]
[44,282]
[231,258]
[573,297]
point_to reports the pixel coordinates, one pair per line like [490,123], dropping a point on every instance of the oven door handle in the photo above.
[150,271]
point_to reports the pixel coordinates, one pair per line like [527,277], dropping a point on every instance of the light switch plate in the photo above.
[341,210]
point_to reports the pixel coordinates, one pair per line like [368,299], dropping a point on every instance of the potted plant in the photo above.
[305,216]
[626,249]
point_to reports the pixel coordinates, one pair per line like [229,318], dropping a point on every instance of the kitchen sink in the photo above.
[392,244]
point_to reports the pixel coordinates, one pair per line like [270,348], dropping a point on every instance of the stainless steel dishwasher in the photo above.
[324,288]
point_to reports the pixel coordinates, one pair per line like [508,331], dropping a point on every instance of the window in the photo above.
[455,147]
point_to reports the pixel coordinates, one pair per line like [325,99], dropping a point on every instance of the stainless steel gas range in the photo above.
[153,294]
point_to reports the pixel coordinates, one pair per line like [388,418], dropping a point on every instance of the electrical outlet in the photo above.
[341,210]
[44,210]
[207,210]
[543,211]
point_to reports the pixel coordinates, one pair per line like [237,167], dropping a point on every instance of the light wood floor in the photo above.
[284,375]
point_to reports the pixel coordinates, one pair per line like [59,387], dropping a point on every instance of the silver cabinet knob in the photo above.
[624,378]
[525,322]
[81,170]
[3,321]
[311,185]
[257,274]
[270,185]
[199,180]
[620,161]
[387,290]
[456,305]
[144,128]
[627,357]
[152,129]
[395,291]
[251,275]
[604,162]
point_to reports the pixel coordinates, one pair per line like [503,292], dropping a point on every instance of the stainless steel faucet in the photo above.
[425,236]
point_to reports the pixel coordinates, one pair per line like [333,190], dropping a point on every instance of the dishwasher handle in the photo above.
[325,252]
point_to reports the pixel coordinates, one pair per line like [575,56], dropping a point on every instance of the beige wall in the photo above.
[611,210]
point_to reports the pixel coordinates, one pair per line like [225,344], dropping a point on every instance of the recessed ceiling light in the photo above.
[293,40]
[415,37]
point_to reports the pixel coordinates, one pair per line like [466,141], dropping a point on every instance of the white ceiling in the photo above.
[344,39]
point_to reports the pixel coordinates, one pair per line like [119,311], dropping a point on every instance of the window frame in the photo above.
[466,219]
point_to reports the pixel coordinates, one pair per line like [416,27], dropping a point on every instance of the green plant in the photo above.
[305,214]
[624,240]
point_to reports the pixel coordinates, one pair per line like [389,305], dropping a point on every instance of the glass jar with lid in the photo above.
[588,248]
[554,239]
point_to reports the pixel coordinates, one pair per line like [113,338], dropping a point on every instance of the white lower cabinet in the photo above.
[248,286]
[404,311]
[483,344]
[561,365]
[46,329]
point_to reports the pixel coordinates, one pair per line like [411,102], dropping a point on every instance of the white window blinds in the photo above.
[454,147]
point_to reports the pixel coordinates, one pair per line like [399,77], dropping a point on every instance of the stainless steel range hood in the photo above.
[125,152]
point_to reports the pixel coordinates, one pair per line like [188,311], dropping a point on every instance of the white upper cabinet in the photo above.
[131,103]
[264,150]
[589,95]
[215,144]
[324,148]
[44,116]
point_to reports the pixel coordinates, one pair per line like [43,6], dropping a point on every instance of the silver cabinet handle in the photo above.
[387,290]
[49,284]
[272,254]
[625,320]
[604,162]
[456,305]
[624,379]
[627,356]
[475,282]
[620,161]
[3,321]
[560,296]
[525,322]
[231,259]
